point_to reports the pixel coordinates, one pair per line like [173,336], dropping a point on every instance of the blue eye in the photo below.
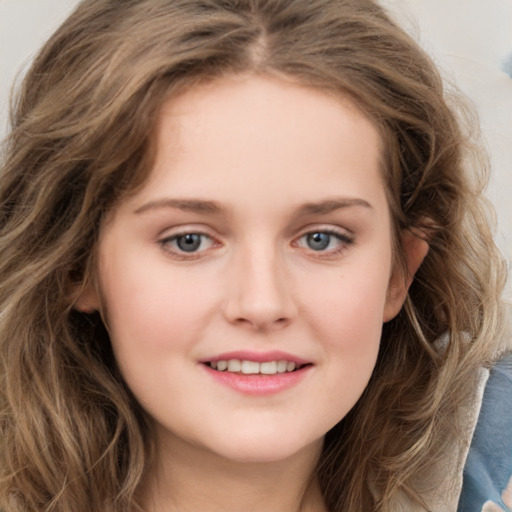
[318,241]
[187,243]
[324,241]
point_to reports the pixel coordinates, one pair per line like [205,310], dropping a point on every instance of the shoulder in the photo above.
[487,477]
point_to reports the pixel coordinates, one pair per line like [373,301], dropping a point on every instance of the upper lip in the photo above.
[258,357]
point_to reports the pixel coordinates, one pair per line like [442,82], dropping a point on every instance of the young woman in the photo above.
[245,265]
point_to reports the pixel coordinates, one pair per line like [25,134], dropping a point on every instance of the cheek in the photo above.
[347,318]
[155,321]
[158,310]
[351,331]
[349,308]
[152,310]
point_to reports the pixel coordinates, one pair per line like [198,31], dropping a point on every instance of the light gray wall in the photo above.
[24,26]
[470,40]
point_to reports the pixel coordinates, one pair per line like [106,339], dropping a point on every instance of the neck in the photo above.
[191,479]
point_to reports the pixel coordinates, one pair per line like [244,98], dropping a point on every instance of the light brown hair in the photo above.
[72,438]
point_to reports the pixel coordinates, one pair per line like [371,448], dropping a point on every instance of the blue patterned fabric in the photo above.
[487,479]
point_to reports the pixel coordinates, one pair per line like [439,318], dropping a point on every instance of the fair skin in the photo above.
[262,238]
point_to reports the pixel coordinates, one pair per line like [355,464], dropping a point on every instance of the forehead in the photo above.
[250,132]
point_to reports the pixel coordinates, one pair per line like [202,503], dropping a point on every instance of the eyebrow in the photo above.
[187,205]
[211,207]
[330,205]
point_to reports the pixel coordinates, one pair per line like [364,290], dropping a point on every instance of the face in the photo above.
[245,285]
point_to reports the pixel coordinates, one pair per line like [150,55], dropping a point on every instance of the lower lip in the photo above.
[258,384]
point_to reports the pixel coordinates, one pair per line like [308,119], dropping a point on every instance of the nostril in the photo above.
[261,323]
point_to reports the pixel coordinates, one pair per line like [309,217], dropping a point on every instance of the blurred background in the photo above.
[470,40]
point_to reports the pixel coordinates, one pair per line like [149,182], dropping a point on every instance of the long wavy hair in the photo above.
[72,437]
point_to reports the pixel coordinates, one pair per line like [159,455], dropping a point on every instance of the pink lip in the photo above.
[258,385]
[258,357]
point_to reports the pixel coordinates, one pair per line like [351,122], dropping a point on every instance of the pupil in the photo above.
[189,243]
[318,241]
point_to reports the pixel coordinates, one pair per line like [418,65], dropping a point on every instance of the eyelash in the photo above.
[343,241]
[168,243]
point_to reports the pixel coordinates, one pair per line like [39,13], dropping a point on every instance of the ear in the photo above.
[87,299]
[415,249]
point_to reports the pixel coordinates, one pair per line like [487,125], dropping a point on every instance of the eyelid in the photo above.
[346,238]
[326,228]
[171,234]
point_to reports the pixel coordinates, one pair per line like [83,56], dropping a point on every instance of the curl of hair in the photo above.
[72,437]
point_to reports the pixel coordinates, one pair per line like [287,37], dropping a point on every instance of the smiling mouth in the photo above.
[245,367]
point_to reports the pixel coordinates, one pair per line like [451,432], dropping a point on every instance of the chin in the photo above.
[266,449]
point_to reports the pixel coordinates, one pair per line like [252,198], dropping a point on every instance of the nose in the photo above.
[259,294]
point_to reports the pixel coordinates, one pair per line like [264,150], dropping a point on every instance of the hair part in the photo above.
[72,435]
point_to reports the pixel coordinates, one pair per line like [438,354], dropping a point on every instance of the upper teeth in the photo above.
[251,367]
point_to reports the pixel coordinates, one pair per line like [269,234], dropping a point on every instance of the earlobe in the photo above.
[87,299]
[415,249]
